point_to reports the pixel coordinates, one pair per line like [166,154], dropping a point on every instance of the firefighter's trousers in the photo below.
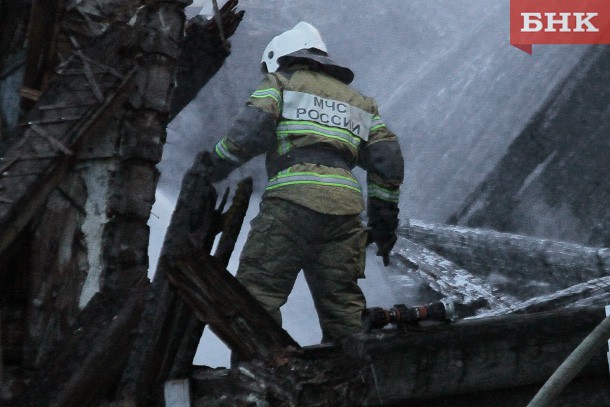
[330,249]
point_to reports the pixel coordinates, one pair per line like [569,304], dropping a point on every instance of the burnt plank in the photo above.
[232,223]
[478,362]
[203,53]
[233,314]
[170,351]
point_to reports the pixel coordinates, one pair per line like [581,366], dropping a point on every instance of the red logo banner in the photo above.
[559,22]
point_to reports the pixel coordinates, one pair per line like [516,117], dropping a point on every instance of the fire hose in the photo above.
[572,365]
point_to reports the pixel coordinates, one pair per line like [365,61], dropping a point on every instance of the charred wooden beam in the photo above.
[231,226]
[142,132]
[203,53]
[42,37]
[234,315]
[213,293]
[169,352]
[512,260]
[470,293]
[467,363]
[233,221]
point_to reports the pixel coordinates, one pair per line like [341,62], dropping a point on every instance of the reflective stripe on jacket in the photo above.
[304,108]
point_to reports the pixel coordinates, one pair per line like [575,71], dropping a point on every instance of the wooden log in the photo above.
[513,261]
[158,340]
[476,355]
[233,221]
[142,132]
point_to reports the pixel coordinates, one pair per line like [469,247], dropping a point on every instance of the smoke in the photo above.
[446,80]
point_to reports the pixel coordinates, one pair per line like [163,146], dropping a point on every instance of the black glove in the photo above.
[212,167]
[383,222]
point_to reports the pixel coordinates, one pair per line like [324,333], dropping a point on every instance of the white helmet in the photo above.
[302,36]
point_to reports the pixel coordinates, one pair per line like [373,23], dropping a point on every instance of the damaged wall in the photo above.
[73,290]
[62,265]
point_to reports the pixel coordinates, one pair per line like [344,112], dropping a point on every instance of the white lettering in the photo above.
[580,22]
[305,106]
[532,22]
[563,21]
[528,21]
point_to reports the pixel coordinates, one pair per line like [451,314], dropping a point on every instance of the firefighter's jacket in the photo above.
[329,128]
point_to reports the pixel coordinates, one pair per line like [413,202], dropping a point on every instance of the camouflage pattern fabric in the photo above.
[330,249]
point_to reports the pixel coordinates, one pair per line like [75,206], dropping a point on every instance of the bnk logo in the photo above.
[533,22]
[559,22]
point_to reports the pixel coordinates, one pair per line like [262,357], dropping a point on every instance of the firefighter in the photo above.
[314,129]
